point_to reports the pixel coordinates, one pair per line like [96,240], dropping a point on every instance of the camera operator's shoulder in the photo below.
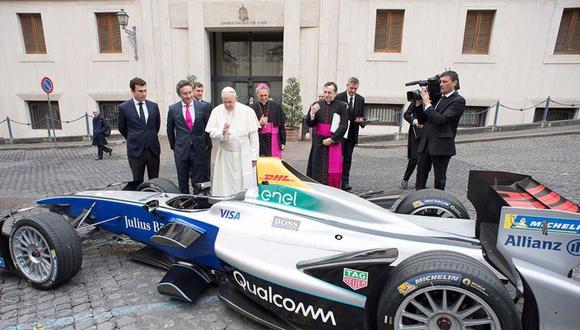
[459,98]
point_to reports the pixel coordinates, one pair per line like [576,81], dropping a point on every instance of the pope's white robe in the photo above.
[233,170]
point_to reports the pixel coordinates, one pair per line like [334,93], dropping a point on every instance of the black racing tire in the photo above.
[159,185]
[414,295]
[432,202]
[45,250]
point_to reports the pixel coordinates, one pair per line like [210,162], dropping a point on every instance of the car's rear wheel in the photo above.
[45,250]
[159,185]
[445,290]
[432,203]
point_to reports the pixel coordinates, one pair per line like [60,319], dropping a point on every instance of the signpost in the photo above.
[47,86]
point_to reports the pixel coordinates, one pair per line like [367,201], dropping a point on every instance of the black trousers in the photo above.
[439,163]
[191,169]
[347,150]
[100,149]
[412,145]
[411,164]
[138,164]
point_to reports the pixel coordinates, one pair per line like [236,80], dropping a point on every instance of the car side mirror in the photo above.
[151,206]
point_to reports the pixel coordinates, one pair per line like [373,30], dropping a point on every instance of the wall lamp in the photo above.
[123,18]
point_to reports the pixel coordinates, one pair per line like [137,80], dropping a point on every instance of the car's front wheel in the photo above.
[445,291]
[45,250]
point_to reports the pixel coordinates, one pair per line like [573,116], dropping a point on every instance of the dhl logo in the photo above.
[276,177]
[273,171]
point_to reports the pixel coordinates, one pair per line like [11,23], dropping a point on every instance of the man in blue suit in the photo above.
[198,96]
[139,123]
[186,121]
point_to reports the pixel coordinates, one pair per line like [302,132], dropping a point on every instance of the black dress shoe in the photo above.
[347,188]
[404,184]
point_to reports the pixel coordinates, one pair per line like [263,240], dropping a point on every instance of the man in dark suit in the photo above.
[100,126]
[356,110]
[186,121]
[413,138]
[198,96]
[139,123]
[441,121]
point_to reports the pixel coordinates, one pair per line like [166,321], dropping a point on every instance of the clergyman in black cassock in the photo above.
[328,118]
[272,134]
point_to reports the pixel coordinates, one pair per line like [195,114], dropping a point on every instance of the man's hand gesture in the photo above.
[314,108]
[226,131]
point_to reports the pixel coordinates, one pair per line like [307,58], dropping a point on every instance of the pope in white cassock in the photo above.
[233,128]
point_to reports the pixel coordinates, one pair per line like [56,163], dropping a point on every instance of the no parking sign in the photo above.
[47,85]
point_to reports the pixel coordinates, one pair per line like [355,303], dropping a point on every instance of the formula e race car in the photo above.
[291,253]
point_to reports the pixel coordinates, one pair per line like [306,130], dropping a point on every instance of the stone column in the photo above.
[291,65]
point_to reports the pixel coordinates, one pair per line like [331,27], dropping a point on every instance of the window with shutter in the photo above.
[32,33]
[109,33]
[477,35]
[389,31]
[568,40]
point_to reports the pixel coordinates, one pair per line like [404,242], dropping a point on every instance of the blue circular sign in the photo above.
[47,85]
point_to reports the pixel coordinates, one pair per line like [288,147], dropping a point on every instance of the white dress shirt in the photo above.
[144,109]
[446,95]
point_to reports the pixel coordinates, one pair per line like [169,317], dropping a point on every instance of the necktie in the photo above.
[350,105]
[188,119]
[442,99]
[142,113]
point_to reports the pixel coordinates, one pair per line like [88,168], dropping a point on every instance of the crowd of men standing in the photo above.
[242,133]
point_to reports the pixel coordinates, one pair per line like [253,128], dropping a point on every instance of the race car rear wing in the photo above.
[489,191]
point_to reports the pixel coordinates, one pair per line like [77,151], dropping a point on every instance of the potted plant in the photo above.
[292,107]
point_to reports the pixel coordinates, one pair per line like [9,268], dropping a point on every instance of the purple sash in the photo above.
[269,128]
[334,157]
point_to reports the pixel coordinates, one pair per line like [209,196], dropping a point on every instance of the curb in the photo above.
[484,139]
[47,146]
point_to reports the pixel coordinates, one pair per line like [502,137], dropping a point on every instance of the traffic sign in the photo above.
[47,85]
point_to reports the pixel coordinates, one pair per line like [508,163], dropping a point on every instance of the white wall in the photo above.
[324,40]
[520,70]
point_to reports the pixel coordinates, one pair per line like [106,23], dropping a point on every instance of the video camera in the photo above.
[432,88]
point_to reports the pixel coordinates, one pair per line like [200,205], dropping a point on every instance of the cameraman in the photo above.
[440,121]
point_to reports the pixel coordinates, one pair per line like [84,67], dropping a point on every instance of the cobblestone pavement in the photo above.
[113,292]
